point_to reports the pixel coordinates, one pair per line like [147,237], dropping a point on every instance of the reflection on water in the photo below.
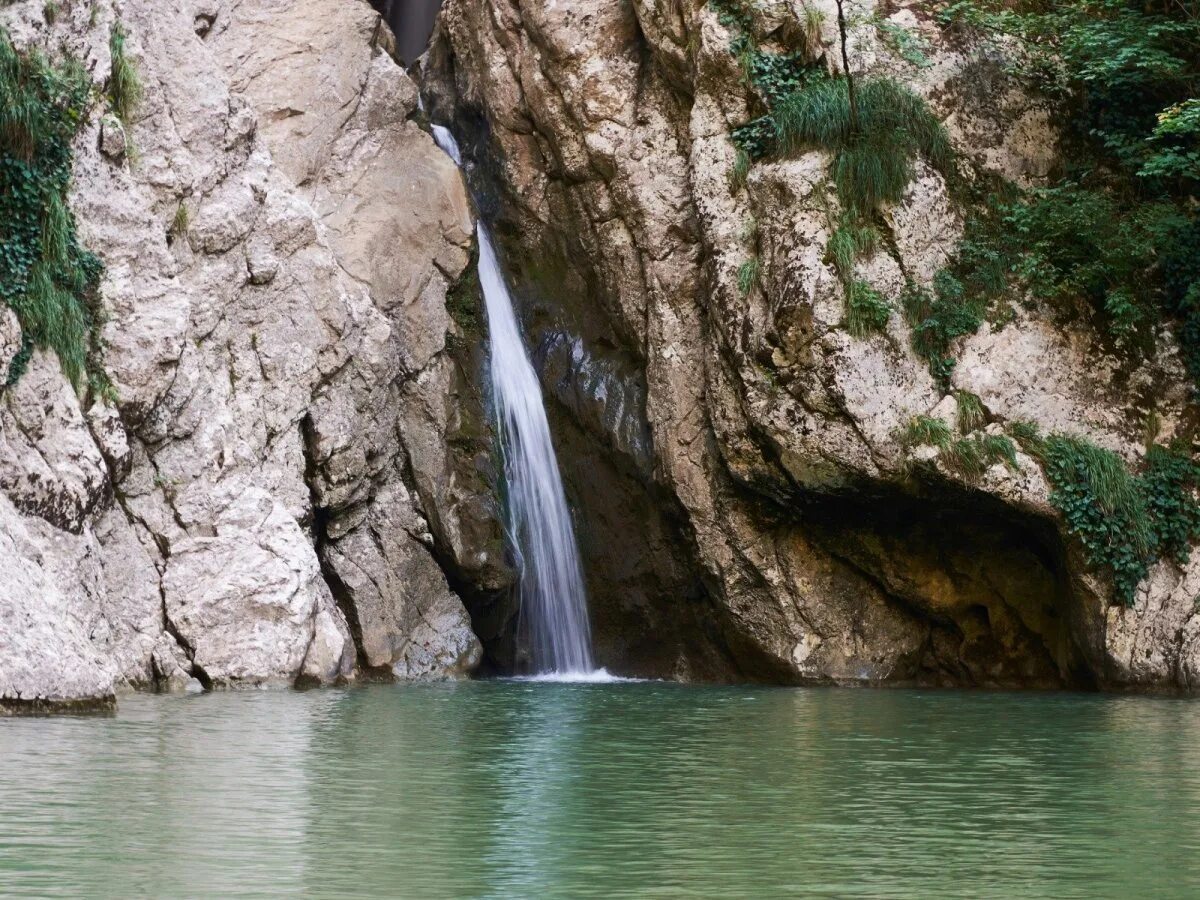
[519,789]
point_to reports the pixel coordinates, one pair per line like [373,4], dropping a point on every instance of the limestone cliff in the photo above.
[747,508]
[278,489]
[292,480]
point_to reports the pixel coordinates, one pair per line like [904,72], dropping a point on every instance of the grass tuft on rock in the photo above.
[124,84]
[873,162]
[971,414]
[748,274]
[925,430]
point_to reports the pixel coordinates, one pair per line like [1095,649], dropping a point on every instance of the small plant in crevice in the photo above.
[50,12]
[748,234]
[740,171]
[124,83]
[971,414]
[46,276]
[179,223]
[464,301]
[867,310]
[748,274]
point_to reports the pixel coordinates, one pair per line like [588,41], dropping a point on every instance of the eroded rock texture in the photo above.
[271,496]
[745,507]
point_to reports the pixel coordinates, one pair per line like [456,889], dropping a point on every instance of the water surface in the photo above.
[519,789]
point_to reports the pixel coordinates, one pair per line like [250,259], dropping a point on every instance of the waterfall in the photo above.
[553,599]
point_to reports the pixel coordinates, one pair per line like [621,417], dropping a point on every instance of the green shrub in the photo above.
[46,277]
[1120,230]
[872,164]
[867,310]
[124,84]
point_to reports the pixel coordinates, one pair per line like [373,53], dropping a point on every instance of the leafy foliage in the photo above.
[46,277]
[1086,244]
[909,46]
[756,138]
[1103,507]
[1120,229]
[1126,67]
[1125,522]
[867,310]
[1169,486]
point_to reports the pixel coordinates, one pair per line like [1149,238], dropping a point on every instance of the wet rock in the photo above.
[604,136]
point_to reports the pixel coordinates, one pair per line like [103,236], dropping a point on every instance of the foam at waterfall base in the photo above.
[597,676]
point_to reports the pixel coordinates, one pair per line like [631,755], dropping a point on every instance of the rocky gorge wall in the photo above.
[295,481]
[288,471]
[783,529]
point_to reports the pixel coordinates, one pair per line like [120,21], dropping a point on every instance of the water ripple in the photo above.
[524,789]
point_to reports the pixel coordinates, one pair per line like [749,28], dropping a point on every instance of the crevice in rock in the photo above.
[196,670]
[321,516]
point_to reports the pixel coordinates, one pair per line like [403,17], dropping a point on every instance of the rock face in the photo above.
[276,493]
[767,522]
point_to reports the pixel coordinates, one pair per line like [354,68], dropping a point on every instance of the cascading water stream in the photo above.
[553,598]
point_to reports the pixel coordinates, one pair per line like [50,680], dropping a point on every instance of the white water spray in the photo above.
[553,599]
